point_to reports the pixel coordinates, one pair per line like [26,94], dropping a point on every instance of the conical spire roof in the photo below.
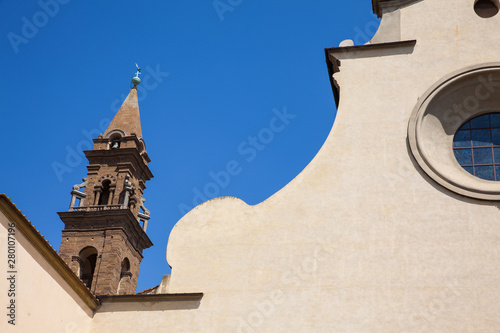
[127,118]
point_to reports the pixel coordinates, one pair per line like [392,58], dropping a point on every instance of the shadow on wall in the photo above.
[148,305]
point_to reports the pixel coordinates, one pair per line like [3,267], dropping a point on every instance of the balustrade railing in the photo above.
[96,208]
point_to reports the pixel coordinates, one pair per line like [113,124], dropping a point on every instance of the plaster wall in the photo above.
[44,301]
[362,240]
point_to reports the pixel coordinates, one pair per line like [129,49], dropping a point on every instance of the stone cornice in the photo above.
[332,52]
[380,5]
[121,154]
[47,252]
[101,220]
[333,58]
[138,143]
[367,47]
[150,298]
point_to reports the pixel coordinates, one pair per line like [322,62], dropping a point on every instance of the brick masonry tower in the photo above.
[105,228]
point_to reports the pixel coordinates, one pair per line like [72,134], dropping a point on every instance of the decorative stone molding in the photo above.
[76,194]
[77,259]
[116,133]
[381,6]
[150,298]
[143,217]
[96,208]
[335,55]
[146,211]
[144,220]
[111,178]
[128,188]
[440,112]
[77,187]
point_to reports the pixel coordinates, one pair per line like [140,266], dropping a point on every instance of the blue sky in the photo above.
[217,75]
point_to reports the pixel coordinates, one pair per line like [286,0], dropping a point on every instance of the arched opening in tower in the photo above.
[104,197]
[125,277]
[88,261]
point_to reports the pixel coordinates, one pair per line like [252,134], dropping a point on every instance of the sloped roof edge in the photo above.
[47,252]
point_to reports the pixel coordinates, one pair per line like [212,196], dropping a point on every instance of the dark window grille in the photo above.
[477,146]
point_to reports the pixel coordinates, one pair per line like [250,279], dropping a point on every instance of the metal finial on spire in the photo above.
[136,80]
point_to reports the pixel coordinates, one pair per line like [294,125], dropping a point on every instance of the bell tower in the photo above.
[105,227]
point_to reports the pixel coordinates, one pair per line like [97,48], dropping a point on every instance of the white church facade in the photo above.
[394,226]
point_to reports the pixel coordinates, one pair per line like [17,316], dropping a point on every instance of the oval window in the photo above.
[477,146]
[486,8]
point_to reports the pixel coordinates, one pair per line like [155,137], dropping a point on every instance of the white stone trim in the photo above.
[438,115]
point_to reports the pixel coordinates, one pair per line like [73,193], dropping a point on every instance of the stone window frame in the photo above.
[116,133]
[85,253]
[115,136]
[437,116]
[125,277]
[98,189]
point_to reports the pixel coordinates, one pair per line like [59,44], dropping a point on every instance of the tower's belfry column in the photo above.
[105,227]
